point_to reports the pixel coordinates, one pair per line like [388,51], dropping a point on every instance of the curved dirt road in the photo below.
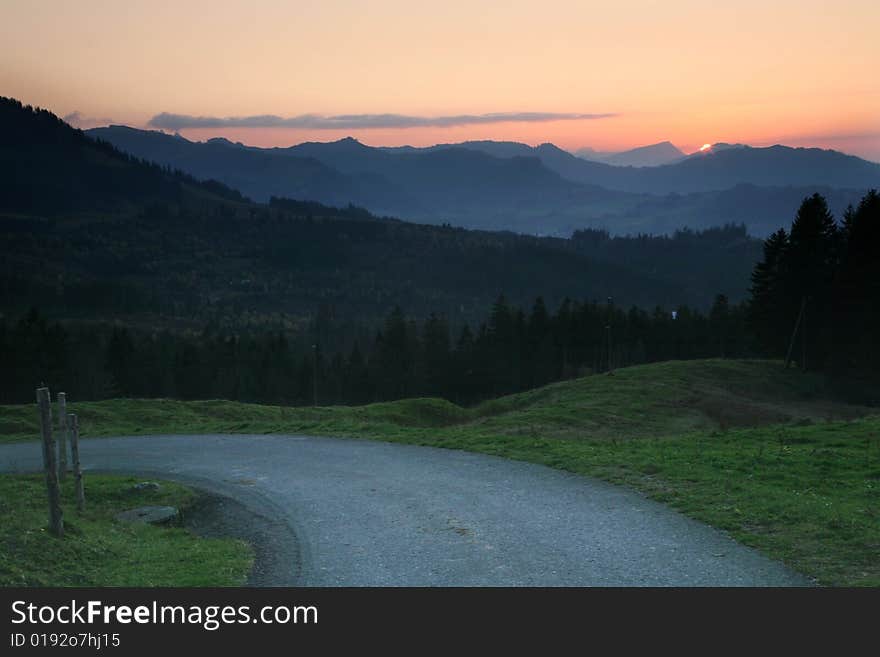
[370,513]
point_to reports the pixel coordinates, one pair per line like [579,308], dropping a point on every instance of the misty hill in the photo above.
[447,178]
[643,156]
[456,185]
[47,167]
[165,249]
[258,173]
[591,154]
[722,167]
[758,208]
[780,166]
[422,185]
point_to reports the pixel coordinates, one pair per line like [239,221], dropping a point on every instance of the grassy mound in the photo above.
[667,399]
[99,551]
[662,399]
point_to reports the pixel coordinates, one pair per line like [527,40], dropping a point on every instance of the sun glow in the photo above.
[705,147]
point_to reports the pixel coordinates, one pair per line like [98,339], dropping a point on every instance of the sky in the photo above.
[610,75]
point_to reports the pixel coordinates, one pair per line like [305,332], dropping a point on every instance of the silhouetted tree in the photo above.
[719,320]
[768,307]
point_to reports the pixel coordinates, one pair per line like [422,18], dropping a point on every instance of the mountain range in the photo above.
[539,190]
[88,232]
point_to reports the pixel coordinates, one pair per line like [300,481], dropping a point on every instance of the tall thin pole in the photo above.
[804,339]
[608,331]
[794,333]
[315,376]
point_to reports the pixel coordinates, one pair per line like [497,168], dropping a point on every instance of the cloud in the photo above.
[166,121]
[77,120]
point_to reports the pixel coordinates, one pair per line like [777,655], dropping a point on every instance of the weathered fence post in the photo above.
[73,426]
[56,522]
[61,399]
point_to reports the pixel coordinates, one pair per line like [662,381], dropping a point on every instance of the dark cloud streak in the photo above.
[166,121]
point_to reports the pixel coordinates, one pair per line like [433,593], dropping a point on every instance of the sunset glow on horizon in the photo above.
[638,69]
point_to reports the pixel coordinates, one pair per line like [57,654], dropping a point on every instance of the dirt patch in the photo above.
[277,559]
[729,411]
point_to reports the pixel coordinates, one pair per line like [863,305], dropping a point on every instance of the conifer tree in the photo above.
[765,308]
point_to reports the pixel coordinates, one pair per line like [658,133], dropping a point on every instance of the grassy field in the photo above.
[99,551]
[761,452]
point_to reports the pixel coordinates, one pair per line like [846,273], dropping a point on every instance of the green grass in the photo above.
[97,550]
[807,495]
[747,446]
[662,399]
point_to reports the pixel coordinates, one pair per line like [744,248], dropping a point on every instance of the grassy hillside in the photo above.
[746,446]
[659,399]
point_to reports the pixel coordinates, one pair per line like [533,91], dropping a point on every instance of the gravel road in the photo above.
[358,512]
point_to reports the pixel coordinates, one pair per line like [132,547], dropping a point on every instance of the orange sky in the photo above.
[802,73]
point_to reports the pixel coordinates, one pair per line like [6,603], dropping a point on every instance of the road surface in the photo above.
[358,512]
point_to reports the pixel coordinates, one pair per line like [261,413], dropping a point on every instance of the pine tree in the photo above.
[857,291]
[395,357]
[810,265]
[120,353]
[765,308]
[719,320]
[357,388]
[464,383]
[435,355]
[501,349]
[540,354]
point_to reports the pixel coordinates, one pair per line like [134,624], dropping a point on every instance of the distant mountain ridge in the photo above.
[652,155]
[426,184]
[259,173]
[721,167]
[541,190]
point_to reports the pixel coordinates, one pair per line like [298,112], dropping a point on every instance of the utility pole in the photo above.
[804,339]
[608,331]
[315,375]
[794,333]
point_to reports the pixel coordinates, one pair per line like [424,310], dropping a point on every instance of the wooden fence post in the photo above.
[61,398]
[73,425]
[56,522]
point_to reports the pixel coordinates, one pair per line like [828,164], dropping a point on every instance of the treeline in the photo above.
[815,300]
[514,349]
[815,295]
[239,266]
[711,260]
